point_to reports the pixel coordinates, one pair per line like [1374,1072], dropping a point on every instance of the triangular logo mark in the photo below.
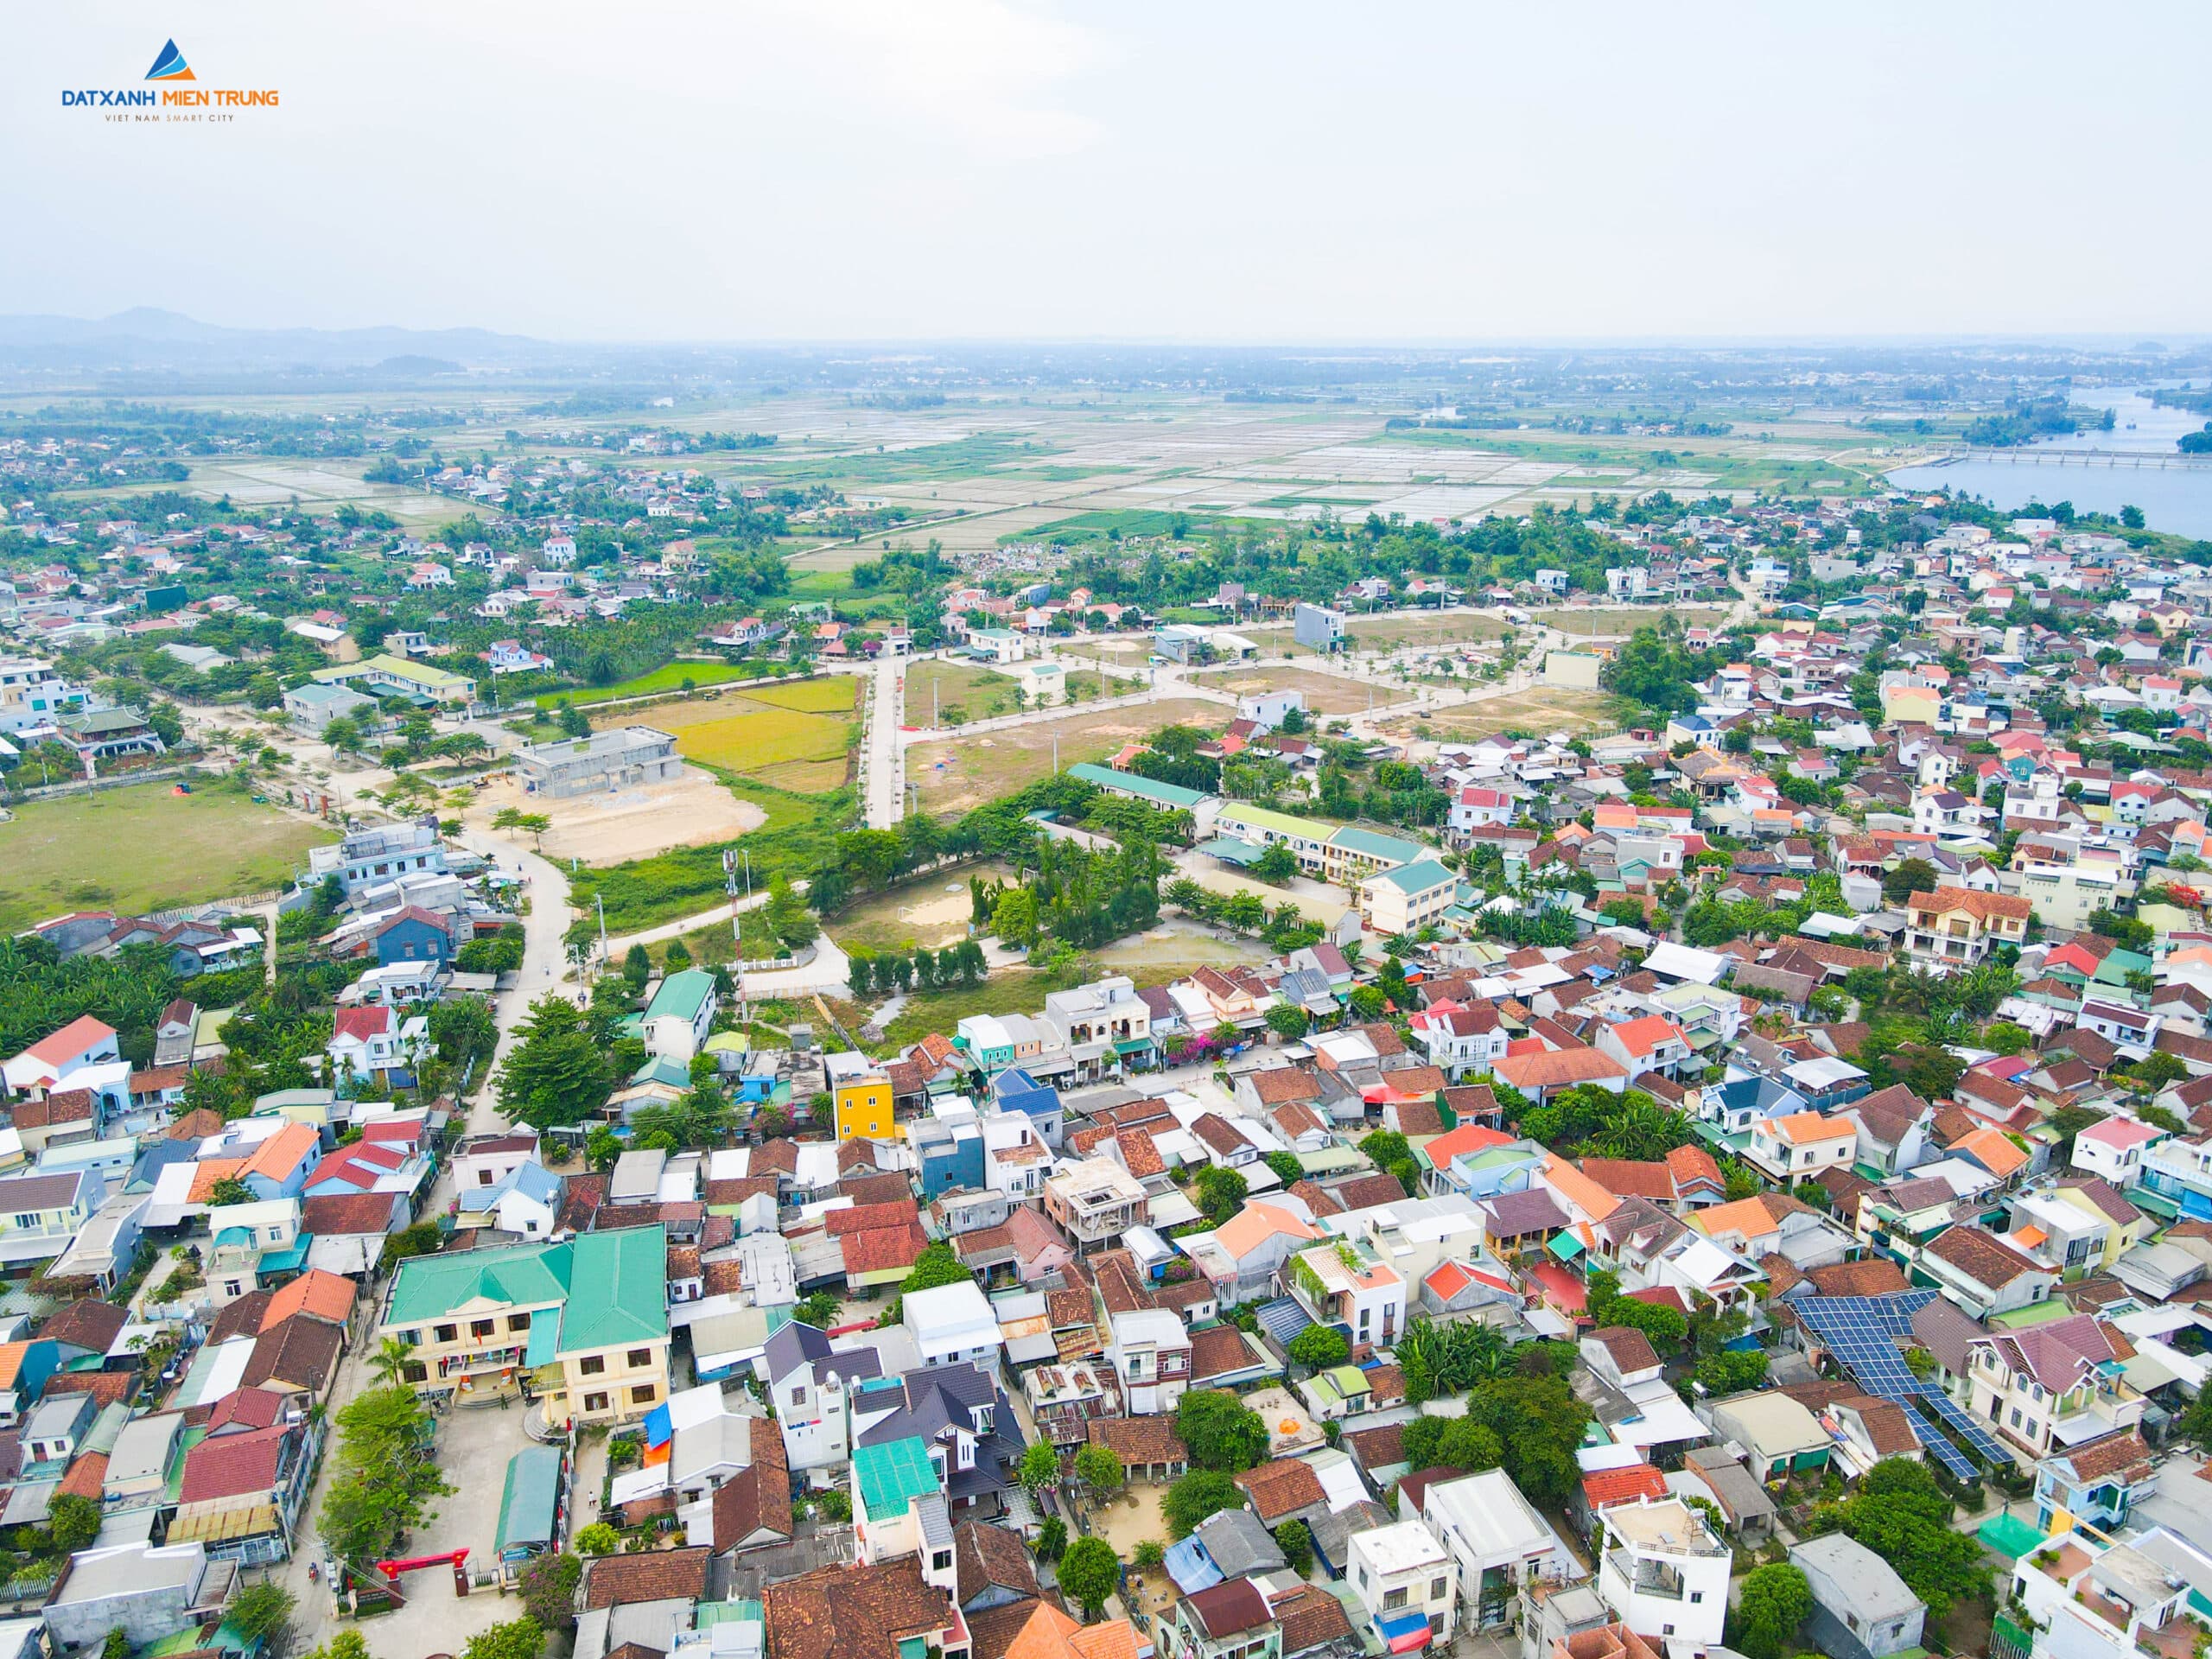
[170,65]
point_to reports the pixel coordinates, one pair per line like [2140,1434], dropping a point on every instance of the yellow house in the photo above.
[864,1108]
[1907,702]
[2101,1201]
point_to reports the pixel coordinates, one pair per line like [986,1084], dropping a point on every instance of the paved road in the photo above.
[884,759]
[619,945]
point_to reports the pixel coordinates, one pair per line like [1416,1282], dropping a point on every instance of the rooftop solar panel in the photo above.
[1861,1332]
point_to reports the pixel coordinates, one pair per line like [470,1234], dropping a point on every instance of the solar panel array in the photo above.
[1862,1332]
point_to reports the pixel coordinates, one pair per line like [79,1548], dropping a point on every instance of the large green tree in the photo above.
[557,1074]
[1220,1431]
[1198,1495]
[1899,1513]
[1089,1572]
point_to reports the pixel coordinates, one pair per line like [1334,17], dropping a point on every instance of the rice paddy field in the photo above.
[796,737]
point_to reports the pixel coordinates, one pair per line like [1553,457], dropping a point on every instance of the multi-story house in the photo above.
[812,1391]
[1799,1146]
[375,857]
[1650,1044]
[1955,928]
[581,1323]
[2180,1172]
[1664,1570]
[1464,1040]
[1095,1202]
[2058,1382]
[41,1214]
[1342,1283]
[1150,1352]
[33,695]
[1104,1024]
[863,1106]
[1231,1620]
[1497,1543]
[1403,1577]
[2100,1482]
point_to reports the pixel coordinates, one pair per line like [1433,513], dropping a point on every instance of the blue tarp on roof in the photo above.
[660,1427]
[1191,1568]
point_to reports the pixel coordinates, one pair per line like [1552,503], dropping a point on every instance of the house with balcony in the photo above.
[2115,1149]
[1953,929]
[580,1324]
[2050,1386]
[39,1215]
[1664,1570]
[2099,1481]
[1982,1274]
[1105,1027]
[1342,1283]
[2079,1224]
[1150,1352]
[1801,1147]
[1095,1202]
[1229,1620]
[1404,1579]
[2178,1173]
[1461,1040]
[1650,1044]
[2085,1597]
[1496,1540]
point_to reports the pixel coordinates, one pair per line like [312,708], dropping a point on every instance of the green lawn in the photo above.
[1010,990]
[668,678]
[144,848]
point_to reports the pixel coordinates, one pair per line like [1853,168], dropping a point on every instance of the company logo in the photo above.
[170,65]
[175,103]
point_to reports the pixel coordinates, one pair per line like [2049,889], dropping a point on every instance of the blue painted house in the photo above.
[1015,1091]
[949,1151]
[413,935]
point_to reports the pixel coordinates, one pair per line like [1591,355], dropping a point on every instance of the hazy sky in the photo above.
[1199,169]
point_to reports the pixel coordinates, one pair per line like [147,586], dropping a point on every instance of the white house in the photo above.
[1151,1354]
[1488,1527]
[1664,1570]
[1402,1573]
[952,1325]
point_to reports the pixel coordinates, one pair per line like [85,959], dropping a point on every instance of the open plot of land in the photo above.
[320,487]
[143,848]
[788,748]
[1543,709]
[669,677]
[966,771]
[1325,693]
[695,810]
[1175,950]
[935,686]
[933,911]
[1627,621]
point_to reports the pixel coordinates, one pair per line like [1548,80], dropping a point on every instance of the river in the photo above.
[2091,468]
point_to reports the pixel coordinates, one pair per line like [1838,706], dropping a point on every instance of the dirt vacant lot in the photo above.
[695,811]
[966,771]
[1544,710]
[1325,693]
[1626,621]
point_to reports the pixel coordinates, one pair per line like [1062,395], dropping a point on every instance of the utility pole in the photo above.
[601,903]
[1056,755]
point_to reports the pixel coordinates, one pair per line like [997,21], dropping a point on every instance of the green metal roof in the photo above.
[532,1496]
[681,995]
[1261,817]
[1369,843]
[545,1338]
[1172,796]
[611,1287]
[1424,875]
[891,1476]
[2008,1534]
[618,1289]
[1230,850]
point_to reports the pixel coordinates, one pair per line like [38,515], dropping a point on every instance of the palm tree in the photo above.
[390,1362]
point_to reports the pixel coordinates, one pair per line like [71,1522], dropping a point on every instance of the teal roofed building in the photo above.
[1408,897]
[680,1015]
[899,1506]
[580,1326]
[1169,798]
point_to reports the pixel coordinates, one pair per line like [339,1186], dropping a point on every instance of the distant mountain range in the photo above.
[147,339]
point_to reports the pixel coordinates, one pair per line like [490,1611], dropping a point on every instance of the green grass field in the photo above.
[668,678]
[143,848]
[795,737]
